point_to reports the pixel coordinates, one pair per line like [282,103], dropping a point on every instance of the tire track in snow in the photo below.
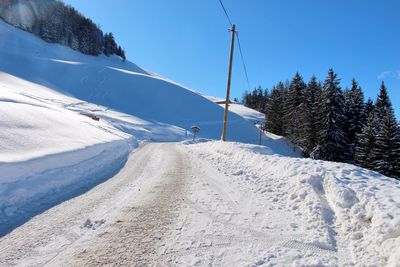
[329,216]
[138,206]
[245,237]
[234,237]
[136,235]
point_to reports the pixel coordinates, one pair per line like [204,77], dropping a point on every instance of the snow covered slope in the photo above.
[119,85]
[247,113]
[32,127]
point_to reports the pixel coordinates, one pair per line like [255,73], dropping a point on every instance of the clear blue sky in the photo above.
[188,41]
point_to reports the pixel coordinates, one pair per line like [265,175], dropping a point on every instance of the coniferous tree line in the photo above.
[56,22]
[329,123]
[256,99]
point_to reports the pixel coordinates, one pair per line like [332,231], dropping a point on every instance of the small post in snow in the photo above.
[195,130]
[258,125]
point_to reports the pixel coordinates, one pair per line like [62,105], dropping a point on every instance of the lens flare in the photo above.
[22,14]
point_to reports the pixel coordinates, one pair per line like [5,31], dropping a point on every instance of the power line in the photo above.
[244,64]
[226,13]
[240,47]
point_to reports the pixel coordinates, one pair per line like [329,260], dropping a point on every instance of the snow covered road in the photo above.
[120,222]
[166,207]
[203,205]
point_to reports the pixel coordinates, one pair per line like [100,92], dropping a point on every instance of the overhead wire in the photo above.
[226,13]
[239,44]
[244,64]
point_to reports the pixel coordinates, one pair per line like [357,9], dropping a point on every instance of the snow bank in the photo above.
[344,208]
[52,149]
[48,152]
[30,187]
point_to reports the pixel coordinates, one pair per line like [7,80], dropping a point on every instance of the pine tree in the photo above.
[311,116]
[383,101]
[369,108]
[333,142]
[388,147]
[387,136]
[107,46]
[260,101]
[355,116]
[56,22]
[379,142]
[366,151]
[382,105]
[256,99]
[274,111]
[293,108]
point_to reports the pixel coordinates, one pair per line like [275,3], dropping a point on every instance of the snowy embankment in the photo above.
[49,153]
[338,207]
[53,147]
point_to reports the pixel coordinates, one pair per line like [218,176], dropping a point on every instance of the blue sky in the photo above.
[188,41]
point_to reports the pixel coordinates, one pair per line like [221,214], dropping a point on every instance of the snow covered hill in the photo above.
[115,84]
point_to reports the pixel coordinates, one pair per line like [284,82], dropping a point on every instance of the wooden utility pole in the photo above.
[259,126]
[228,88]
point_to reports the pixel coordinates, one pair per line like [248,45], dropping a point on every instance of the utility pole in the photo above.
[259,126]
[228,88]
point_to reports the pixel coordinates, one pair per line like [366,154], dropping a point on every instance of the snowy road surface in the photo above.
[170,206]
[120,222]
[165,207]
